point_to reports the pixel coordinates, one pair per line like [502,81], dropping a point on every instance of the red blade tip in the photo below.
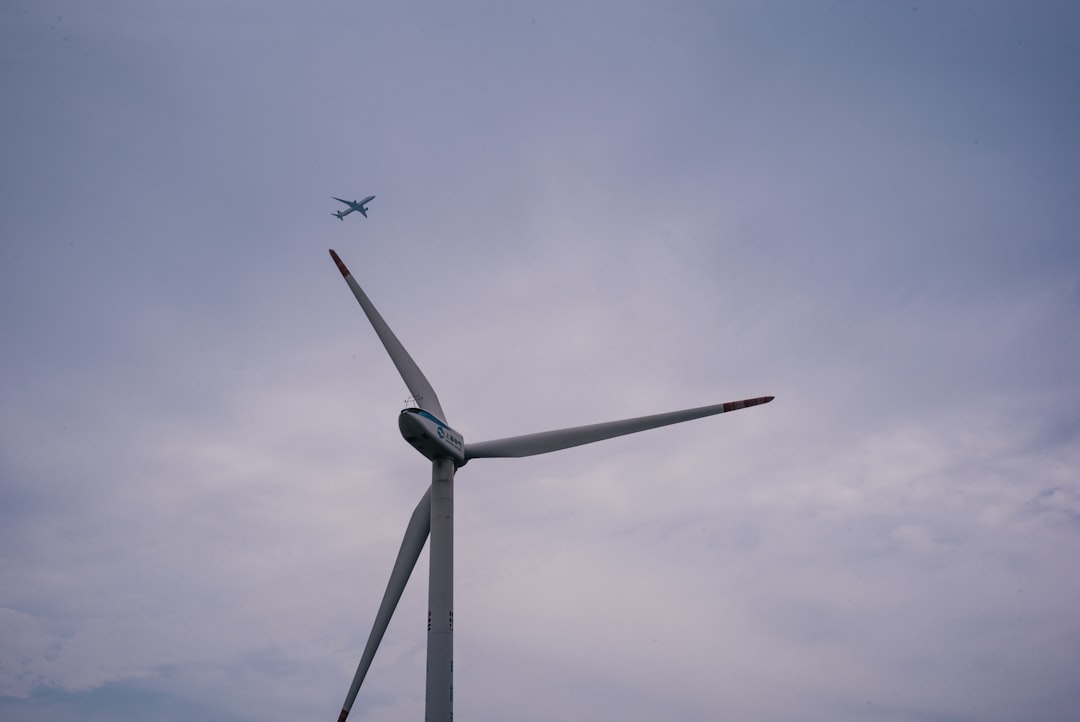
[746,403]
[341,266]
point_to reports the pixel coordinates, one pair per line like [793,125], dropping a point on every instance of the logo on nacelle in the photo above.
[447,435]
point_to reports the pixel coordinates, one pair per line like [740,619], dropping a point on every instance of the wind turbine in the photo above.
[426,429]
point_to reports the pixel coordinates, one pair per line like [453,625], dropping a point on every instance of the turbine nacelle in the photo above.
[431,436]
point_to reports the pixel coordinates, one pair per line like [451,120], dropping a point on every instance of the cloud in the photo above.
[582,214]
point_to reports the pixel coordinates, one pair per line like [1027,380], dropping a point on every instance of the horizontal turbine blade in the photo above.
[415,536]
[414,378]
[545,441]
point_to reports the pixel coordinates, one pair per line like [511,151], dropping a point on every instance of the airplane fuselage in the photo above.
[431,436]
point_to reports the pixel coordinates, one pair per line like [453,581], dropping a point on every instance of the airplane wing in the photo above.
[363,205]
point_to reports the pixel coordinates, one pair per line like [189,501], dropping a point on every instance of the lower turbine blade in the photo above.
[546,441]
[415,536]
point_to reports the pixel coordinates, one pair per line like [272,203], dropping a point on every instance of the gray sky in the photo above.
[585,211]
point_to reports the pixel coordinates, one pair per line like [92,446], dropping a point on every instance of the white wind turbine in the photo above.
[426,429]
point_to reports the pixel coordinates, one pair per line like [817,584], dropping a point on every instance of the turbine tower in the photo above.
[426,429]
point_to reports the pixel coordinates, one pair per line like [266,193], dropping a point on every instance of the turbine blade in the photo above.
[411,545]
[411,374]
[545,441]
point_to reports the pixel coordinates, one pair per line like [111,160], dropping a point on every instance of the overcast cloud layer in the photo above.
[584,211]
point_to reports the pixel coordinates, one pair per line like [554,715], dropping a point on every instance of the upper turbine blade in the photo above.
[415,536]
[545,441]
[414,378]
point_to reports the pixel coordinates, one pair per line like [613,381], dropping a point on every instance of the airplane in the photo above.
[353,206]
